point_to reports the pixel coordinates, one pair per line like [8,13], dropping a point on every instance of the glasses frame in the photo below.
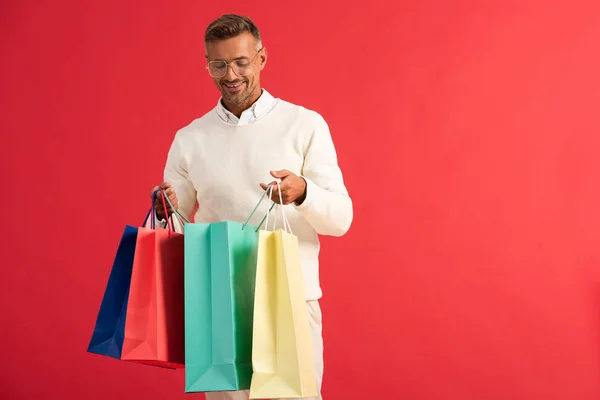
[231,64]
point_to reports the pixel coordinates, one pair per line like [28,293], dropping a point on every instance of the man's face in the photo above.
[241,50]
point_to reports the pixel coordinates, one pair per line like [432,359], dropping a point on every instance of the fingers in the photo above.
[162,186]
[165,187]
[284,185]
[265,186]
[160,210]
[280,174]
[172,196]
[274,193]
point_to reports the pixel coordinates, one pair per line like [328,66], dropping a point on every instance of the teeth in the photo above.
[233,86]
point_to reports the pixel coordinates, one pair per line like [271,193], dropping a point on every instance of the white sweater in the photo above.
[219,161]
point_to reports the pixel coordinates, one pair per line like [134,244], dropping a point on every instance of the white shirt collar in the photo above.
[259,109]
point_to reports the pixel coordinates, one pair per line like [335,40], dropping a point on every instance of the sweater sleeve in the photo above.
[176,174]
[327,206]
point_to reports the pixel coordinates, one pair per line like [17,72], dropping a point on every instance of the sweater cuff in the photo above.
[310,195]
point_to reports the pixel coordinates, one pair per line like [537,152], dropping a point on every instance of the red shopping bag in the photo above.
[154,328]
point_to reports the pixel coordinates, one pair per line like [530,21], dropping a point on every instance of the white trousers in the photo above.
[315,319]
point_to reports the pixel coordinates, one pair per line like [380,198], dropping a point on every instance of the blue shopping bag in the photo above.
[107,339]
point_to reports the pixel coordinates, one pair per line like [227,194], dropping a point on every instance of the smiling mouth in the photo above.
[233,85]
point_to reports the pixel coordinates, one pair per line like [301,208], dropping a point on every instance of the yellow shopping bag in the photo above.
[282,356]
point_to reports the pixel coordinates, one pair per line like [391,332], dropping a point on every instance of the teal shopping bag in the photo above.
[219,275]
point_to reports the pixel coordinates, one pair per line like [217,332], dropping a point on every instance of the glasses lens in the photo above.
[240,67]
[217,69]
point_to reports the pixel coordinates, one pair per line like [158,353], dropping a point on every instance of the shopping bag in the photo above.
[154,318]
[107,338]
[282,355]
[220,267]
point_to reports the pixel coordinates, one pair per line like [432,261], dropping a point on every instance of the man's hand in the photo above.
[293,187]
[160,210]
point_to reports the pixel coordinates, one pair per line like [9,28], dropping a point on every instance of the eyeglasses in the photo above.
[218,69]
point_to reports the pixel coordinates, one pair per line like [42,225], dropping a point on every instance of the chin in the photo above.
[238,99]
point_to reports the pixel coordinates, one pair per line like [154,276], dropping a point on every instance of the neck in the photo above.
[238,109]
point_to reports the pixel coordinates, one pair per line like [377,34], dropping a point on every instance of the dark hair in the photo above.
[230,25]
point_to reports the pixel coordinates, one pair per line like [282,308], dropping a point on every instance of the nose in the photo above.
[230,74]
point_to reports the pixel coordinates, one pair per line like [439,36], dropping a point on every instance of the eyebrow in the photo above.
[238,58]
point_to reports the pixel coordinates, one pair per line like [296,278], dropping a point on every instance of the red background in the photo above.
[468,135]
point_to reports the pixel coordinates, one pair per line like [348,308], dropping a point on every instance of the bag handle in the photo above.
[256,208]
[171,228]
[176,213]
[146,219]
[151,212]
[286,223]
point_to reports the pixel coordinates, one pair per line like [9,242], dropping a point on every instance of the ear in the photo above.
[263,58]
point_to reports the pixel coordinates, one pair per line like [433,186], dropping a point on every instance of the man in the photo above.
[227,158]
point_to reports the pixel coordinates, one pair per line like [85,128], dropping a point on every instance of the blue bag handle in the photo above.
[152,212]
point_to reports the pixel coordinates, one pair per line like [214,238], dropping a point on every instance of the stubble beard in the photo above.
[239,99]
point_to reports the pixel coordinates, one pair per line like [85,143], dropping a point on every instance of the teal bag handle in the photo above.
[256,208]
[182,218]
[177,214]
